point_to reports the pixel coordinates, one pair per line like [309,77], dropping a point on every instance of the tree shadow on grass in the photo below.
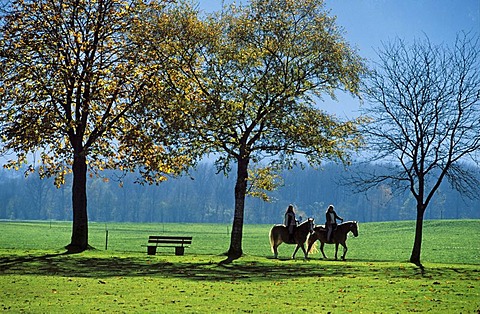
[67,265]
[29,261]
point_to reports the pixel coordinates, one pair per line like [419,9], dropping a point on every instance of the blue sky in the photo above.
[369,22]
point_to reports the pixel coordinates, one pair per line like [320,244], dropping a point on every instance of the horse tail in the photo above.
[272,239]
[313,248]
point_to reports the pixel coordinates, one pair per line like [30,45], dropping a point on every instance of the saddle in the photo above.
[322,228]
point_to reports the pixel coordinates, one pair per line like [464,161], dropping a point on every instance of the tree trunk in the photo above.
[235,250]
[417,245]
[79,242]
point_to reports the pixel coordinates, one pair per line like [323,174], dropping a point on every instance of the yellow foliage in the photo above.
[79,81]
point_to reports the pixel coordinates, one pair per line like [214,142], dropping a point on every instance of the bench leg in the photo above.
[151,250]
[179,250]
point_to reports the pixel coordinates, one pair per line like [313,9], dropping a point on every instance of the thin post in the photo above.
[106,237]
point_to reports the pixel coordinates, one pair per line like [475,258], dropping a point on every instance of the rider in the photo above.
[290,221]
[331,223]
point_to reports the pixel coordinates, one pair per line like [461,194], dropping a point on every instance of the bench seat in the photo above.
[179,242]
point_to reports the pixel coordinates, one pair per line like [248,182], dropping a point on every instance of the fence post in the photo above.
[106,237]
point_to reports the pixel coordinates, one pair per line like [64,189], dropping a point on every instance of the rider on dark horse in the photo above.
[331,223]
[290,222]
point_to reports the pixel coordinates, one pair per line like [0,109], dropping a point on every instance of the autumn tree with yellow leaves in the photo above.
[74,92]
[257,75]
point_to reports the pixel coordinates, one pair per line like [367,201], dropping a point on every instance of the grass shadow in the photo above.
[203,268]
[7,263]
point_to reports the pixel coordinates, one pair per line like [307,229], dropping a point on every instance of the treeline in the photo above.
[204,196]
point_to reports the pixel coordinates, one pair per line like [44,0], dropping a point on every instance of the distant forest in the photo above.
[207,197]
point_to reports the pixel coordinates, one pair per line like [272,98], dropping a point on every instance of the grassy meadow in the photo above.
[36,277]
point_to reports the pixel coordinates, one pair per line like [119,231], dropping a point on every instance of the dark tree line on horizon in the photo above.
[204,197]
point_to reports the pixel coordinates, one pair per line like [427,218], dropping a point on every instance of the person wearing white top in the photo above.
[331,223]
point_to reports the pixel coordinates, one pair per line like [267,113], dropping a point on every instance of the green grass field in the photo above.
[35,277]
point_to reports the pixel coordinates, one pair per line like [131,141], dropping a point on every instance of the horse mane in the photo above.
[350,222]
[303,222]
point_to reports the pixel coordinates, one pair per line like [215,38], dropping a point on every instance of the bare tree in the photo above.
[424,104]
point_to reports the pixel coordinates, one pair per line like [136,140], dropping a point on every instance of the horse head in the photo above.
[354,228]
[311,225]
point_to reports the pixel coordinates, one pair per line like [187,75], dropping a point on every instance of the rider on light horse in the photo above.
[331,223]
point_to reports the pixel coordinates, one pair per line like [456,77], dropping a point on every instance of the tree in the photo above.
[73,90]
[258,72]
[424,104]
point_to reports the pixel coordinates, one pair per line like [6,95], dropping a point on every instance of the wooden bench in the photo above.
[180,243]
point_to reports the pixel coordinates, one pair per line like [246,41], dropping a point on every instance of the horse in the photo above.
[279,234]
[339,237]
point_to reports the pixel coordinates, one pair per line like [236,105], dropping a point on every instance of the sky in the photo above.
[368,23]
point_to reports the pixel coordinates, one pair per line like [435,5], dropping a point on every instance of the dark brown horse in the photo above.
[279,234]
[339,237]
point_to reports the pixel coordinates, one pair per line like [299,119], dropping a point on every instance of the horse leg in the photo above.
[345,249]
[336,250]
[295,252]
[304,252]
[275,250]
[322,244]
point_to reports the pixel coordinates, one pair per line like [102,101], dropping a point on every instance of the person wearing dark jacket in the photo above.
[331,222]
[290,221]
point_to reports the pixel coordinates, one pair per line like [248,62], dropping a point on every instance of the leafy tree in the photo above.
[258,72]
[73,91]
[424,101]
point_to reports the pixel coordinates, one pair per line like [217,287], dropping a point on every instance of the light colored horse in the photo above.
[339,237]
[279,234]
